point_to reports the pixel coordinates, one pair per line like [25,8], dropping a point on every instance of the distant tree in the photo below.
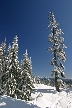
[26,85]
[57,49]
[38,80]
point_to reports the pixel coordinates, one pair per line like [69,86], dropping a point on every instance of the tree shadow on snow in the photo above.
[67,90]
[13,103]
[45,90]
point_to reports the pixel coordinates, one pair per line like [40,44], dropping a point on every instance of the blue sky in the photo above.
[29,19]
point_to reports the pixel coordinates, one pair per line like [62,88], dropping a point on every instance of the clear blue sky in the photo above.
[29,19]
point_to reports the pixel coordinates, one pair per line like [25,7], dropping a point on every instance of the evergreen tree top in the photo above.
[5,40]
[26,54]
[15,39]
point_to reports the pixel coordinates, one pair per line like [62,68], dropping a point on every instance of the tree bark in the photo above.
[56,83]
[56,74]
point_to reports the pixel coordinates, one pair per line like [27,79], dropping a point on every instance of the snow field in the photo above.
[44,97]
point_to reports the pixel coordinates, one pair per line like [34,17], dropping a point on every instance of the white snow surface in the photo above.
[44,97]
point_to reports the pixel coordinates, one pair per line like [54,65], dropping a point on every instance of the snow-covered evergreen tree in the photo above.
[1,69]
[37,79]
[3,65]
[15,81]
[8,70]
[57,49]
[26,85]
[13,68]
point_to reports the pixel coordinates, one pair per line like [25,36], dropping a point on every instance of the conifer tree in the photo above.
[26,77]
[1,69]
[57,49]
[8,70]
[3,65]
[13,68]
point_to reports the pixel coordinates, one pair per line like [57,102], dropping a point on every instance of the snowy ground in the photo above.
[44,97]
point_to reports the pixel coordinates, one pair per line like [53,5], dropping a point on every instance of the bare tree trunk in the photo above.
[56,82]
[56,74]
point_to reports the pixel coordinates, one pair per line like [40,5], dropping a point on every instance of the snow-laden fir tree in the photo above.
[1,69]
[8,70]
[13,68]
[2,66]
[56,39]
[37,79]
[26,85]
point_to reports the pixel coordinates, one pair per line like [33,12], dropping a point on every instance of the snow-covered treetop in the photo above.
[54,25]
[15,39]
[56,39]
[9,47]
[3,45]
[15,43]
[26,54]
